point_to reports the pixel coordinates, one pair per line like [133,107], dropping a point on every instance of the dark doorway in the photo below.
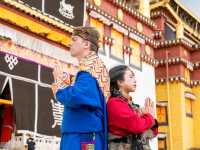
[6,115]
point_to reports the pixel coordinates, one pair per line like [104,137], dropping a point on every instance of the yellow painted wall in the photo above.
[176,113]
[185,131]
[196,116]
[188,133]
[188,125]
[161,92]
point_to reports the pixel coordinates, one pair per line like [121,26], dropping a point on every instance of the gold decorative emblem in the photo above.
[148,50]
[120,14]
[97,2]
[139,27]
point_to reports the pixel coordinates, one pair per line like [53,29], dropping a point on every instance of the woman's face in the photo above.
[129,82]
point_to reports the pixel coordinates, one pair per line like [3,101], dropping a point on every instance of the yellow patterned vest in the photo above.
[95,66]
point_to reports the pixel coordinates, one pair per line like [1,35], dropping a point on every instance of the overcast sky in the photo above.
[193,5]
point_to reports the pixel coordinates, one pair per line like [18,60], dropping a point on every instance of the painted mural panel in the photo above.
[135,59]
[100,27]
[116,49]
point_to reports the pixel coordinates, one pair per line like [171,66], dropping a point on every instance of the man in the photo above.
[84,124]
[30,142]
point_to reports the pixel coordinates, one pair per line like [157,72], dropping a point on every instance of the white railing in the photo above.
[42,142]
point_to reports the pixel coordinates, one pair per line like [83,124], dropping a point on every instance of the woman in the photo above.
[130,127]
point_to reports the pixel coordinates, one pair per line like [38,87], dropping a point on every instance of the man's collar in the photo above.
[91,56]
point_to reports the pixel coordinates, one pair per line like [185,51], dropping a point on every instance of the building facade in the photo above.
[158,39]
[177,75]
[36,34]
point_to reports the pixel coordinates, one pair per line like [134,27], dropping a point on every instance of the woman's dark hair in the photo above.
[116,74]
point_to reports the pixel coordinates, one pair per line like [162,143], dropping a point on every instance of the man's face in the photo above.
[77,46]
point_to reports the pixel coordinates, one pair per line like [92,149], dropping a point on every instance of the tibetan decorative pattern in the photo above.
[17,51]
[11,61]
[94,65]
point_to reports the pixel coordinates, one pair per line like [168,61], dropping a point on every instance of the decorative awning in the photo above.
[162,104]
[162,135]
[190,95]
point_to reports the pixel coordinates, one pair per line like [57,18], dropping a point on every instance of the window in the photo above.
[135,59]
[26,85]
[116,49]
[170,32]
[132,3]
[162,144]
[188,107]
[162,114]
[100,27]
[189,98]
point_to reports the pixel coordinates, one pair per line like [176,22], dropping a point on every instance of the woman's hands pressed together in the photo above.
[149,107]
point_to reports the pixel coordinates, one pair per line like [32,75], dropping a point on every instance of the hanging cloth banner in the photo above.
[71,12]
[29,88]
